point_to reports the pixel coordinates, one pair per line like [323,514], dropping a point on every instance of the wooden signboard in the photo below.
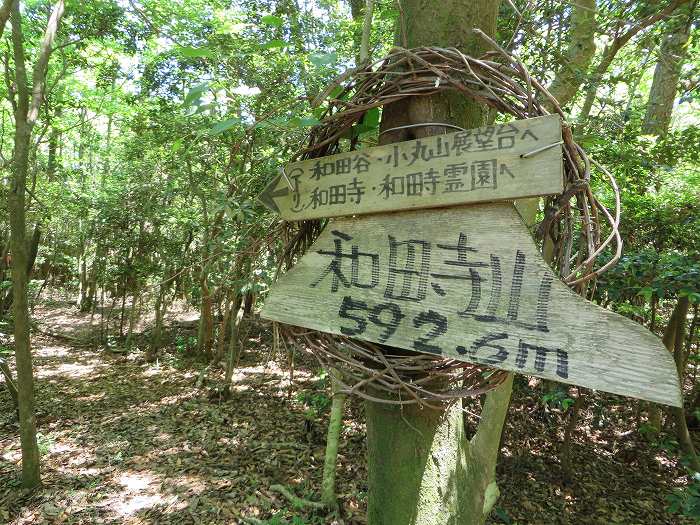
[477,165]
[467,282]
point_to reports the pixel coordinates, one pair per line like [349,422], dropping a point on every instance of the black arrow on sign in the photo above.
[267,197]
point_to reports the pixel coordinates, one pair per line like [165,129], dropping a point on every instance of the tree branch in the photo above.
[22,107]
[579,53]
[42,62]
[366,31]
[67,44]
[617,44]
[5,11]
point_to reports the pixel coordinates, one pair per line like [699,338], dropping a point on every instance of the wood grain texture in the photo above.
[478,165]
[467,282]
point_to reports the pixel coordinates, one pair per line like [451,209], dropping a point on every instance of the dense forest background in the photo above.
[135,137]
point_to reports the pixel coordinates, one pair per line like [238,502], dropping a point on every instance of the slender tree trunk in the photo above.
[566,466]
[357,9]
[234,344]
[579,53]
[33,249]
[9,382]
[422,469]
[361,11]
[134,315]
[157,331]
[26,113]
[366,30]
[674,336]
[333,437]
[611,51]
[664,86]
[205,333]
[161,308]
[223,330]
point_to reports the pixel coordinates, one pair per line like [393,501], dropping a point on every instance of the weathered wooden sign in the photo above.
[467,282]
[476,165]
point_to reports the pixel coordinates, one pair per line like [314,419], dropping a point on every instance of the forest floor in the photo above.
[126,441]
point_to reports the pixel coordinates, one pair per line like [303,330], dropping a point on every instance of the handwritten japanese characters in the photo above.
[467,282]
[476,165]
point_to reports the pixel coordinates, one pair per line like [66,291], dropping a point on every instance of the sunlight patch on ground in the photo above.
[12,453]
[154,370]
[141,491]
[132,504]
[70,369]
[52,351]
[135,481]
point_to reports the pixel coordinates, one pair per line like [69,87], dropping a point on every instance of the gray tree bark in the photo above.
[611,51]
[579,53]
[422,469]
[664,86]
[26,113]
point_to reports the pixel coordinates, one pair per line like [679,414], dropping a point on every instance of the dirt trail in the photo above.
[125,441]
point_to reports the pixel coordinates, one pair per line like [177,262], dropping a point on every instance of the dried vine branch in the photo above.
[575,223]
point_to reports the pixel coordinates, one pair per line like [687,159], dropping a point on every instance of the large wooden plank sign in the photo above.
[467,282]
[476,165]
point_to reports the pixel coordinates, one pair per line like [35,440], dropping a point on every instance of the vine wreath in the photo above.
[573,221]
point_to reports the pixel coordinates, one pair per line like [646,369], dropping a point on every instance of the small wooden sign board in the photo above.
[468,282]
[477,165]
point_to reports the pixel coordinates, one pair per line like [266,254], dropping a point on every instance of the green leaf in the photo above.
[195,52]
[502,515]
[309,121]
[195,93]
[323,59]
[230,27]
[272,20]
[371,120]
[200,109]
[222,126]
[273,44]
[298,122]
[336,91]
[369,123]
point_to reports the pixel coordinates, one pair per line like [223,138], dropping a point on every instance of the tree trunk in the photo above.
[611,51]
[33,249]
[9,382]
[26,113]
[667,73]
[134,315]
[656,122]
[234,344]
[205,333]
[421,467]
[566,467]
[223,330]
[357,11]
[335,425]
[674,336]
[161,307]
[82,278]
[579,53]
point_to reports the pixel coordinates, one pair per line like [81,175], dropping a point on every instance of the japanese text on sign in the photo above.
[410,278]
[467,166]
